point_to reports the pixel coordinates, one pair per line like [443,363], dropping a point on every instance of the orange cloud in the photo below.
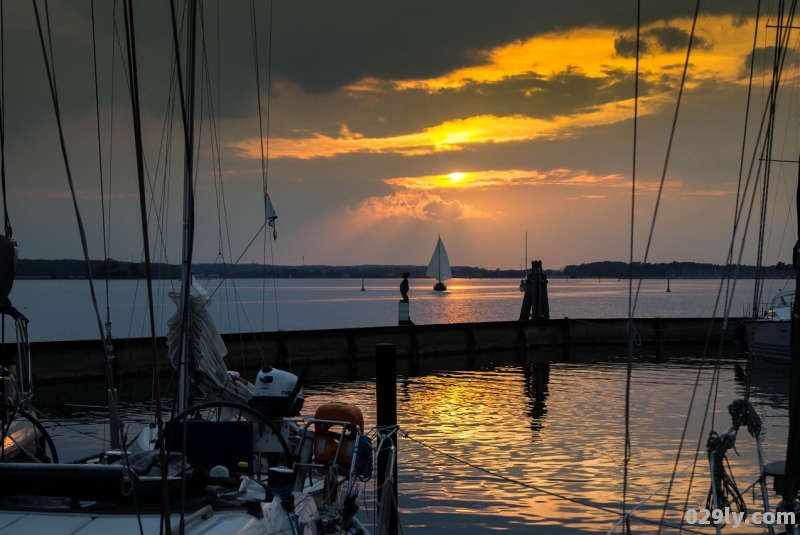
[447,136]
[713,193]
[509,177]
[416,204]
[592,51]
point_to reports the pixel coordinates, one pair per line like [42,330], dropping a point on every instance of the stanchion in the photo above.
[386,400]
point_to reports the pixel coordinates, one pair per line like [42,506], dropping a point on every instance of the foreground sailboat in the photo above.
[241,462]
[439,267]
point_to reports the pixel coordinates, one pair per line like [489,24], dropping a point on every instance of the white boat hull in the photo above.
[770,339]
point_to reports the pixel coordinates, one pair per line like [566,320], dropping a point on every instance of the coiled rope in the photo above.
[744,414]
[727,493]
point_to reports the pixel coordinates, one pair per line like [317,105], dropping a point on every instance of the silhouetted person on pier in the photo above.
[404,287]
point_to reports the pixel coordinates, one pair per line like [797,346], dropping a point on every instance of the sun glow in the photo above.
[450,135]
[456,177]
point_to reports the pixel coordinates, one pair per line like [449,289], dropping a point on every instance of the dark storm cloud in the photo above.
[531,96]
[762,59]
[320,46]
[326,45]
[671,39]
[625,47]
[663,39]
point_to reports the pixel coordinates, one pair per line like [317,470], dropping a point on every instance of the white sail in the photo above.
[439,267]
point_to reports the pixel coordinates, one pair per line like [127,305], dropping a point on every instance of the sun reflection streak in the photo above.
[492,418]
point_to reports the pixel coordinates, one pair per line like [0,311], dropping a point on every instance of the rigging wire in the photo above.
[214,120]
[159,212]
[536,488]
[187,107]
[134,90]
[100,162]
[744,147]
[53,86]
[669,148]
[265,159]
[737,220]
[768,141]
[629,368]
[789,197]
[6,220]
[51,77]
[778,70]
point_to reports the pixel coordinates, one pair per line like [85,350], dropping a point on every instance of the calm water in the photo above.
[552,422]
[538,422]
[61,309]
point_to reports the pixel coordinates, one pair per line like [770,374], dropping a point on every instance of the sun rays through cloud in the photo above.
[430,198]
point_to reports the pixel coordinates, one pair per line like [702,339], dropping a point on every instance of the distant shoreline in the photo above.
[114,269]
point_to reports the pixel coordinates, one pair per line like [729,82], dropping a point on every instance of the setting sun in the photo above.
[456,177]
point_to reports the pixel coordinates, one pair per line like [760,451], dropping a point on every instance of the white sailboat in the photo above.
[439,267]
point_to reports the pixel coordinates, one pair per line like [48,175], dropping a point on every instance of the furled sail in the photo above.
[207,350]
[439,267]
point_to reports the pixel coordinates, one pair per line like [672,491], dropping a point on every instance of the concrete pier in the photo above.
[53,361]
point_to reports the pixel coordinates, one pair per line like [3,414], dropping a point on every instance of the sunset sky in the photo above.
[392,123]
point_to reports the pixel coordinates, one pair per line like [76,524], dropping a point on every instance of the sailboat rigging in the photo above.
[439,267]
[252,481]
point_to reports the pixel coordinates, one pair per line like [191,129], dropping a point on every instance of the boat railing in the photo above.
[763,309]
[340,440]
[345,438]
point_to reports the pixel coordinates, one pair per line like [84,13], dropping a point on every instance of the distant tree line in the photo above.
[115,269]
[672,270]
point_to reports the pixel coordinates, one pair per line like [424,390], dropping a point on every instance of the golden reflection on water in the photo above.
[556,427]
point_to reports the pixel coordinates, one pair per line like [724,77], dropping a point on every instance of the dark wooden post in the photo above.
[386,399]
[535,304]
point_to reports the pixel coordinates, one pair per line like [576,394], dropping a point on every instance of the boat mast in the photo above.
[187,106]
[439,258]
[791,481]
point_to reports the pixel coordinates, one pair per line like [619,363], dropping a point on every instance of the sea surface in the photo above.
[62,309]
[518,442]
[524,443]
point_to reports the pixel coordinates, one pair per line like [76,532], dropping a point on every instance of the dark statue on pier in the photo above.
[404,287]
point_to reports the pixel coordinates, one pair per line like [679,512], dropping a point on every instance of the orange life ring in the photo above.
[326,441]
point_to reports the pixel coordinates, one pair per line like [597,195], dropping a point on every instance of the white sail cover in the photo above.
[439,268]
[207,349]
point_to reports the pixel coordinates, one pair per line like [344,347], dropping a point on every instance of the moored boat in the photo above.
[768,335]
